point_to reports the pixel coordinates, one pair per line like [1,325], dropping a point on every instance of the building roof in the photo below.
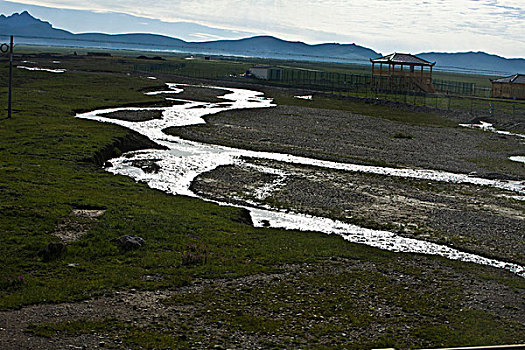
[403,58]
[514,79]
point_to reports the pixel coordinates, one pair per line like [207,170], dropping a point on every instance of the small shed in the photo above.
[266,72]
[401,72]
[509,87]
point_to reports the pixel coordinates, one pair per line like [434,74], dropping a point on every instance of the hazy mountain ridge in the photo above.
[481,61]
[29,30]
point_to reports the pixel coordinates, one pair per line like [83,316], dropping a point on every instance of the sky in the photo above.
[409,26]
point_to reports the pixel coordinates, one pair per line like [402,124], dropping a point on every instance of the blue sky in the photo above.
[493,26]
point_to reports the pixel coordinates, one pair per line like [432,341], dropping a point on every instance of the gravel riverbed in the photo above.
[347,137]
[486,221]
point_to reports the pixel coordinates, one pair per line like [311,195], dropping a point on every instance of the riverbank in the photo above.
[208,264]
[485,221]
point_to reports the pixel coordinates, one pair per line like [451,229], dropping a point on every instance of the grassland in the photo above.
[222,281]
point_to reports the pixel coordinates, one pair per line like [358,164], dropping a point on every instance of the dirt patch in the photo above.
[202,94]
[72,228]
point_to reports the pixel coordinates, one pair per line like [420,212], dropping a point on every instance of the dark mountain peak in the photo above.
[24,19]
[20,16]
[265,37]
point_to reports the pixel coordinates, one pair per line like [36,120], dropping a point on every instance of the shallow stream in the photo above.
[184,160]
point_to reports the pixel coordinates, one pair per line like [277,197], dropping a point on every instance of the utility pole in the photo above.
[4,48]
[10,77]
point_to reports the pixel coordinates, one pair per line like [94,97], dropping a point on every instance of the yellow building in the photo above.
[509,87]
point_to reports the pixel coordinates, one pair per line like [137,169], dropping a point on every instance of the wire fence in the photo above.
[460,88]
[448,95]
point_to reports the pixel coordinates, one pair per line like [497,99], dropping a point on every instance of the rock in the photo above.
[129,242]
[53,251]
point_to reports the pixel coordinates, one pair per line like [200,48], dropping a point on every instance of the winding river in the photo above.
[184,160]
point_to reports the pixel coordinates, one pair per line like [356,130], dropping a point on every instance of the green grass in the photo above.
[315,306]
[375,110]
[401,135]
[44,175]
[319,307]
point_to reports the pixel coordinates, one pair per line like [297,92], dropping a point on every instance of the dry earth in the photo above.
[293,307]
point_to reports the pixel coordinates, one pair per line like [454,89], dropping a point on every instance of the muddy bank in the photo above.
[131,142]
[509,122]
[201,94]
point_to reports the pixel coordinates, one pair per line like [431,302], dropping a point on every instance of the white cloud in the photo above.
[495,26]
[204,37]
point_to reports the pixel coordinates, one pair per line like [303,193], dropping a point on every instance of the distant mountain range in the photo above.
[473,62]
[29,30]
